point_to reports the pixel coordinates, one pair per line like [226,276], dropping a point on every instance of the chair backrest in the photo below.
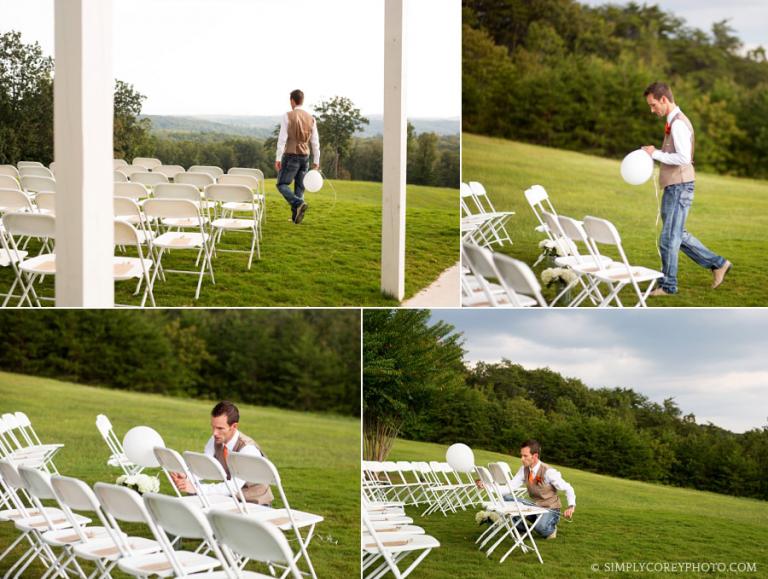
[536,195]
[74,493]
[46,201]
[177,517]
[132,190]
[119,177]
[575,231]
[14,200]
[558,235]
[480,263]
[518,277]
[178,208]
[21,164]
[126,208]
[126,234]
[122,503]
[206,467]
[34,184]
[119,163]
[34,224]
[104,425]
[147,162]
[37,483]
[170,460]
[9,182]
[258,173]
[248,180]
[131,169]
[199,180]
[10,475]
[35,171]
[9,170]
[602,231]
[149,179]
[229,193]
[480,195]
[252,468]
[252,539]
[177,191]
[169,171]
[210,169]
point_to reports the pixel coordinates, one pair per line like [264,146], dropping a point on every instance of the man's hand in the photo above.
[479,484]
[278,164]
[180,480]
[568,514]
[649,149]
[315,166]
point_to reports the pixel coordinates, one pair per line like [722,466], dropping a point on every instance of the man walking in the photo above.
[298,130]
[225,439]
[677,177]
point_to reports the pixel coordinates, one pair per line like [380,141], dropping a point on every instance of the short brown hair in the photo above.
[297,96]
[533,445]
[658,90]
[224,407]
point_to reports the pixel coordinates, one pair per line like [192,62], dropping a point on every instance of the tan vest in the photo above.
[543,494]
[260,494]
[672,174]
[300,124]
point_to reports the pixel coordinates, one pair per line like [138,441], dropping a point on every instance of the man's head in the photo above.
[659,97]
[224,419]
[529,452]
[297,98]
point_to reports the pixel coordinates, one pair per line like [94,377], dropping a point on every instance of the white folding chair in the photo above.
[242,197]
[150,180]
[35,171]
[477,228]
[169,171]
[104,552]
[147,162]
[393,549]
[28,444]
[10,171]
[619,274]
[116,163]
[119,177]
[129,170]
[34,184]
[199,240]
[171,461]
[9,182]
[28,271]
[538,198]
[519,281]
[252,539]
[129,268]
[259,470]
[199,180]
[135,191]
[254,182]
[212,170]
[485,207]
[21,164]
[480,262]
[12,200]
[117,457]
[46,202]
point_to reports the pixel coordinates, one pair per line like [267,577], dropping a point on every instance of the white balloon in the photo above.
[139,443]
[313,181]
[460,457]
[637,167]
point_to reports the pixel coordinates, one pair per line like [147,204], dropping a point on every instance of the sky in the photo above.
[712,362]
[243,57]
[748,17]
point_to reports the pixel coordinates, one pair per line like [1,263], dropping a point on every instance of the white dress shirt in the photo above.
[683,139]
[282,139]
[221,488]
[552,476]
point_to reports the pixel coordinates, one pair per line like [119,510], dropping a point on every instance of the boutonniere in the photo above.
[537,480]
[667,128]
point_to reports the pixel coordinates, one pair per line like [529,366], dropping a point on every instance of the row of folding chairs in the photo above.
[389,540]
[61,539]
[20,443]
[435,485]
[481,223]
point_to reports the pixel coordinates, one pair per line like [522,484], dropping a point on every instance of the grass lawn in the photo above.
[318,455]
[332,259]
[729,215]
[616,520]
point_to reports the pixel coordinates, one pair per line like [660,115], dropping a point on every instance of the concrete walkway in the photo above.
[442,293]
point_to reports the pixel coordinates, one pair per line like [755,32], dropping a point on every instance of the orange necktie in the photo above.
[530,474]
[226,453]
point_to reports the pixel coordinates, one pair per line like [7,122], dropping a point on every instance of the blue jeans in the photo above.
[546,525]
[675,205]
[292,170]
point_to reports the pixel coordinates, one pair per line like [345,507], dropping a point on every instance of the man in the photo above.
[542,482]
[677,179]
[298,130]
[227,438]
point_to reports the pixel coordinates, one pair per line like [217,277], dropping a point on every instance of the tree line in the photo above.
[417,386]
[301,360]
[562,74]
[26,130]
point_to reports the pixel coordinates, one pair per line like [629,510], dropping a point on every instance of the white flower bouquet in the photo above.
[487,517]
[141,483]
[561,275]
[551,248]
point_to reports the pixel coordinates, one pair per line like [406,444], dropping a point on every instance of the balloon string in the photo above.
[330,183]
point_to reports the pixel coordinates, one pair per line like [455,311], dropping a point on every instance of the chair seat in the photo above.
[39,523]
[70,536]
[384,529]
[129,267]
[158,564]
[180,240]
[279,518]
[106,548]
[43,264]
[582,263]
[401,543]
[233,223]
[183,221]
[6,257]
[15,514]
[620,274]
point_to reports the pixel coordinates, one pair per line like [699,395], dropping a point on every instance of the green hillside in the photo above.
[729,215]
[616,520]
[332,259]
[317,455]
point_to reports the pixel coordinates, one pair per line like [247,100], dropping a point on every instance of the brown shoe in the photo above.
[718,275]
[658,292]
[552,536]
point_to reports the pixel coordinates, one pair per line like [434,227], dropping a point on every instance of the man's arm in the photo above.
[554,478]
[314,141]
[282,138]
[682,138]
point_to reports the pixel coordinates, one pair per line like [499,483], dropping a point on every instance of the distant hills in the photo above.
[262,126]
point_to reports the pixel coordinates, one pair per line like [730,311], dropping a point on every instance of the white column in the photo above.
[83,93]
[395,152]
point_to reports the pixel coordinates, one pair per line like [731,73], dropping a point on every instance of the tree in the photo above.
[337,121]
[131,135]
[405,360]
